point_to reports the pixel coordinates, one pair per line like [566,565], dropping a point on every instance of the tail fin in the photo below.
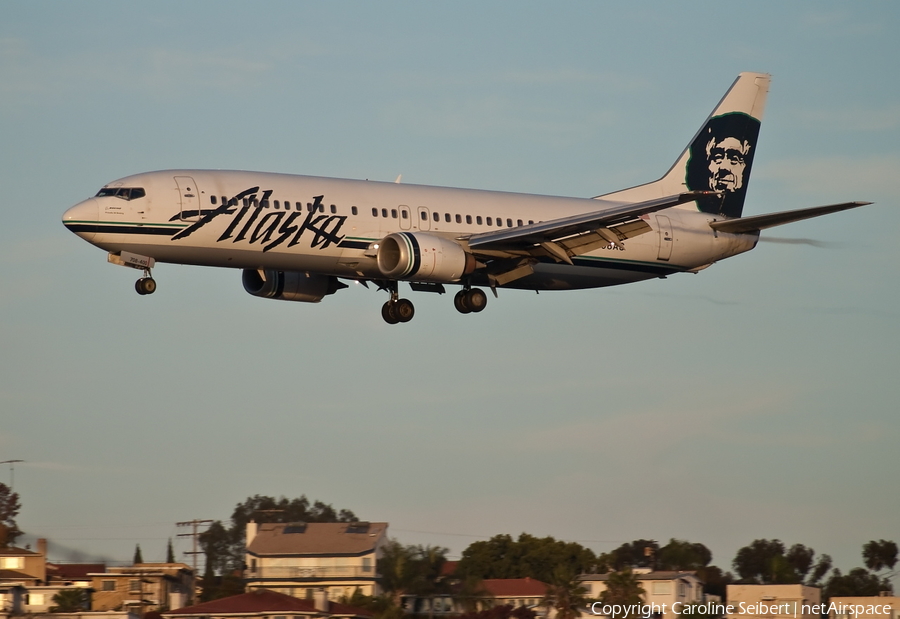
[721,154]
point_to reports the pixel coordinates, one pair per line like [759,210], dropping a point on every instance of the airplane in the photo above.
[296,237]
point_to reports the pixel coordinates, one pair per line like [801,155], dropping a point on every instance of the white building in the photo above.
[773,601]
[666,590]
[299,558]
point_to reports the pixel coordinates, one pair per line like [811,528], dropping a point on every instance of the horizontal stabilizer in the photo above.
[761,222]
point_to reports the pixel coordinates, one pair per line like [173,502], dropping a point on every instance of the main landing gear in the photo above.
[396,309]
[466,301]
[470,300]
[146,284]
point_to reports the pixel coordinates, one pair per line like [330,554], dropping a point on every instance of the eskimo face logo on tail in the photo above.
[720,160]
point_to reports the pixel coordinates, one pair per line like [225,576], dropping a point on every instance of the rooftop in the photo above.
[509,587]
[317,538]
[263,601]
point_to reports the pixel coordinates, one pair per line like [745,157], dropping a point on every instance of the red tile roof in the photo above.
[509,587]
[74,571]
[264,601]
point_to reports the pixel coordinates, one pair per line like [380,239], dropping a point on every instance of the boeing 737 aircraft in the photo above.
[296,237]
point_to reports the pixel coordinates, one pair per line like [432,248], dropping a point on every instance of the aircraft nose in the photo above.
[82,218]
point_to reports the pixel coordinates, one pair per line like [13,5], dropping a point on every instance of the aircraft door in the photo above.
[189,196]
[424,218]
[405,217]
[665,237]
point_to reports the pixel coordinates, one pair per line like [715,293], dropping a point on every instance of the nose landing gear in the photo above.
[146,284]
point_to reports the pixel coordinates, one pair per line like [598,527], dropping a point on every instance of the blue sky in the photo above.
[758,398]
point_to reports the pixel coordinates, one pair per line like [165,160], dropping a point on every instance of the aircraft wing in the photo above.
[761,222]
[578,234]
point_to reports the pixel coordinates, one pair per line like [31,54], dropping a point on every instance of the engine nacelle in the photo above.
[422,258]
[289,285]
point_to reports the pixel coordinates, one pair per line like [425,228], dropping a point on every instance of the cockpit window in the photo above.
[125,193]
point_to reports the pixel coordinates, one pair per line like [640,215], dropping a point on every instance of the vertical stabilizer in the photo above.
[720,156]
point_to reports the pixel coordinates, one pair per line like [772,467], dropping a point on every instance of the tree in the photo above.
[766,562]
[565,594]
[639,553]
[71,600]
[411,570]
[137,555]
[170,554]
[9,509]
[858,582]
[880,555]
[528,556]
[682,555]
[622,587]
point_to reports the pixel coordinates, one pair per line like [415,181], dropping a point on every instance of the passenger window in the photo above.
[478,219]
[277,204]
[353,210]
[518,222]
[374,212]
[212,199]
[394,213]
[227,201]
[424,216]
[490,221]
[404,214]
[458,218]
[530,222]
[321,208]
[447,217]
[436,217]
[468,219]
[287,205]
[265,204]
[333,208]
[246,202]
[384,212]
[508,222]
[499,223]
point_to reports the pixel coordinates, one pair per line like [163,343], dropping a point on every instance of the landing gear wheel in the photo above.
[389,313]
[145,285]
[404,310]
[476,300]
[460,302]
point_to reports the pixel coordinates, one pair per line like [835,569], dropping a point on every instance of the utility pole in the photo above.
[12,472]
[194,534]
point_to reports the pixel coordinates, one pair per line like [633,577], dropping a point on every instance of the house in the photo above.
[143,587]
[23,564]
[300,558]
[773,601]
[11,597]
[73,574]
[864,607]
[263,603]
[515,592]
[665,591]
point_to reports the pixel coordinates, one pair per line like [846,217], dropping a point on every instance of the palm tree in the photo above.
[565,595]
[623,587]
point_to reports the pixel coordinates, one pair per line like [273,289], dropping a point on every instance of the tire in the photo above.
[389,313]
[404,310]
[476,300]
[149,285]
[460,302]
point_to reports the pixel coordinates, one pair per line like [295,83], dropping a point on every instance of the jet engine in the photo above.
[422,258]
[289,285]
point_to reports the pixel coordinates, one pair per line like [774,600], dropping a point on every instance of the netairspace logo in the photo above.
[646,611]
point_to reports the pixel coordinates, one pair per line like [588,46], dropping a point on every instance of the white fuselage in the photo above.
[330,226]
